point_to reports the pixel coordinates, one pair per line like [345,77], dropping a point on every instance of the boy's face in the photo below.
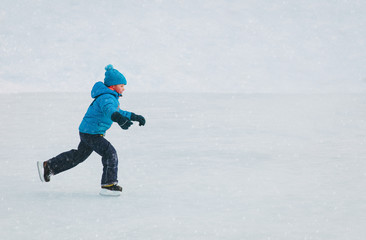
[119,88]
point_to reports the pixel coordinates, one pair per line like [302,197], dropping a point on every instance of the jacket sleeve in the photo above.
[109,105]
[124,113]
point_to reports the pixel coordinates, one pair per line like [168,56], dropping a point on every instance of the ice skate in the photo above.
[111,190]
[44,171]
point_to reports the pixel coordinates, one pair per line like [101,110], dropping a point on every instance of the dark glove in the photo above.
[122,121]
[138,118]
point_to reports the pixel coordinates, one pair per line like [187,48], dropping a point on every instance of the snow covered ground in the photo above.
[255,113]
[205,166]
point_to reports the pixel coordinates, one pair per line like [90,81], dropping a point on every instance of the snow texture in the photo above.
[251,46]
[205,166]
[255,114]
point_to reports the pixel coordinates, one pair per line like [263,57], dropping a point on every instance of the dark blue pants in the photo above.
[88,144]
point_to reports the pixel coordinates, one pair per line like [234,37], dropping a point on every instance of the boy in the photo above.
[102,112]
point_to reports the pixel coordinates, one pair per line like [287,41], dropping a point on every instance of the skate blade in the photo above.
[109,193]
[40,170]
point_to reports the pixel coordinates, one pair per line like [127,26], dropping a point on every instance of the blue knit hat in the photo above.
[113,76]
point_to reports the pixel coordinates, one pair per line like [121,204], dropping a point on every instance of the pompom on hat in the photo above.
[113,76]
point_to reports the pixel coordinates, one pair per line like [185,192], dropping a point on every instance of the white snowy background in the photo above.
[256,122]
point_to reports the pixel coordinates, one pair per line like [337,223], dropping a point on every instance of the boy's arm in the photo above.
[111,110]
[122,121]
[125,113]
[110,106]
[124,116]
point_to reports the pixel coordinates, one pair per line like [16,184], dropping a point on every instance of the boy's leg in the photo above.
[110,167]
[109,156]
[69,159]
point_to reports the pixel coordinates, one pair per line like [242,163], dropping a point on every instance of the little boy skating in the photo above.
[102,112]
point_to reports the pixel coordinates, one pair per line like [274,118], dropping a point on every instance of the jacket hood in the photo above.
[99,89]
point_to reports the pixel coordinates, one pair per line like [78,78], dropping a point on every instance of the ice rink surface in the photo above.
[255,109]
[205,166]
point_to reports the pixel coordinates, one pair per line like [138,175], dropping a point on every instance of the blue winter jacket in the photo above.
[97,119]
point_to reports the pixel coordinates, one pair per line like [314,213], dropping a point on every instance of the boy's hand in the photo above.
[122,121]
[138,118]
[126,125]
